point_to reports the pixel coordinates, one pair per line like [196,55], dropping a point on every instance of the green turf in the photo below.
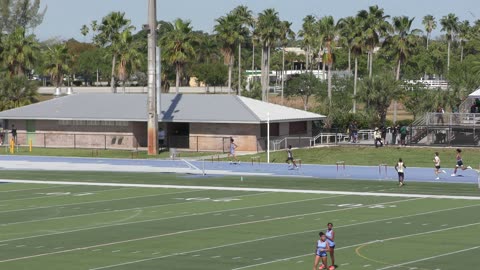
[360,155]
[84,227]
[388,186]
[99,153]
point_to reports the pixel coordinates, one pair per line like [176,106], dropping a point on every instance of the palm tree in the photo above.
[84,31]
[463,36]
[286,34]
[19,52]
[403,43]
[308,35]
[17,91]
[351,31]
[430,24]
[246,18]
[230,32]
[268,33]
[450,26]
[374,26]
[59,60]
[109,33]
[178,47]
[129,57]
[329,32]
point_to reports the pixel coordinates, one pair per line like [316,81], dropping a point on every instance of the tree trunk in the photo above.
[267,78]
[177,79]
[239,90]
[329,84]
[355,79]
[428,40]
[253,57]
[283,71]
[307,58]
[395,103]
[370,74]
[264,73]
[230,70]
[461,52]
[112,80]
[349,60]
[448,56]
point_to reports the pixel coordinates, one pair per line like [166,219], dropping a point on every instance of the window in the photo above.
[298,128]
[92,123]
[274,130]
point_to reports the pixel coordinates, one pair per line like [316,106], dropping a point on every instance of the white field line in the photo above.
[371,242]
[370,194]
[430,258]
[173,204]
[30,189]
[196,230]
[133,222]
[92,202]
[62,195]
[285,235]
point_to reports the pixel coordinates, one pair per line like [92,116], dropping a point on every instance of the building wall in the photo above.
[215,137]
[50,133]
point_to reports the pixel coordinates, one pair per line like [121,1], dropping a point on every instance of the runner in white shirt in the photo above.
[438,169]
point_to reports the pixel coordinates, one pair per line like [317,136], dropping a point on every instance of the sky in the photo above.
[64,18]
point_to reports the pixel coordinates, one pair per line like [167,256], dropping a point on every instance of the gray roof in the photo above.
[195,108]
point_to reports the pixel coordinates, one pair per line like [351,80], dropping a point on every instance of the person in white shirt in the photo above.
[438,169]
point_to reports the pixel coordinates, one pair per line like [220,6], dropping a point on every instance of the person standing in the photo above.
[400,168]
[438,167]
[403,136]
[321,249]
[460,164]
[395,131]
[378,138]
[14,134]
[330,234]
[440,112]
[232,153]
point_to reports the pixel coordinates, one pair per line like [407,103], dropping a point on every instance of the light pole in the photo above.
[268,137]
[152,80]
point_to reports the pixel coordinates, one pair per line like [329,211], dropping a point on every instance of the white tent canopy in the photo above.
[475,94]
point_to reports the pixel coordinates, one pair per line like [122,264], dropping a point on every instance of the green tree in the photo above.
[286,34]
[58,63]
[304,85]
[268,33]
[16,92]
[429,24]
[329,33]
[246,19]
[230,32]
[129,57]
[24,14]
[19,52]
[212,74]
[374,27]
[378,93]
[450,26]
[178,47]
[464,32]
[418,99]
[84,30]
[109,34]
[308,34]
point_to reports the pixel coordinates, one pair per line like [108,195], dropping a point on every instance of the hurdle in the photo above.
[255,159]
[215,157]
[298,162]
[340,168]
[382,171]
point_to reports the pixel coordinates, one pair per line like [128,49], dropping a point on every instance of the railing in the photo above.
[452,119]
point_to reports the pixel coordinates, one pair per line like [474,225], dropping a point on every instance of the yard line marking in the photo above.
[168,218]
[215,257]
[236,258]
[19,246]
[189,231]
[121,210]
[274,237]
[40,247]
[258,259]
[93,202]
[362,244]
[370,194]
[115,251]
[95,250]
[430,258]
[3,245]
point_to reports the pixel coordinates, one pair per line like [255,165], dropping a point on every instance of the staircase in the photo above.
[418,130]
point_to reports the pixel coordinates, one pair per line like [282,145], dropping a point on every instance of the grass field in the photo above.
[370,156]
[98,153]
[53,226]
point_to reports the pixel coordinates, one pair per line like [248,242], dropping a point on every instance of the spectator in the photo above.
[14,133]
[355,131]
[395,130]
[378,138]
[440,112]
[161,138]
[403,135]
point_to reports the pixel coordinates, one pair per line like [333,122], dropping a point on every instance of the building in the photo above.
[190,121]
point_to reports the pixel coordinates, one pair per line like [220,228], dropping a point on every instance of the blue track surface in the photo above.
[306,170]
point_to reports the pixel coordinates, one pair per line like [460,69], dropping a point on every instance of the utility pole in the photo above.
[152,80]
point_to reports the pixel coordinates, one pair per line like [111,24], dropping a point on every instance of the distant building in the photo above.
[191,121]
